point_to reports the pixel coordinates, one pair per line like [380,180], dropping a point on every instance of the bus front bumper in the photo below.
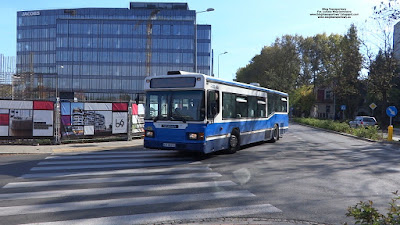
[192,147]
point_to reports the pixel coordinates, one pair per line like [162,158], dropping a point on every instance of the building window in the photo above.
[328,95]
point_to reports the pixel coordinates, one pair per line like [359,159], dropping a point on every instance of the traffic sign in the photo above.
[343,107]
[372,106]
[391,111]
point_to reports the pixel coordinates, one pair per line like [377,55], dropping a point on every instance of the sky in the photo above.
[239,27]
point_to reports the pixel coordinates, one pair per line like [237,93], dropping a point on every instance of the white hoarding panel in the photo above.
[98,106]
[88,130]
[120,123]
[43,123]
[141,109]
[3,131]
[7,104]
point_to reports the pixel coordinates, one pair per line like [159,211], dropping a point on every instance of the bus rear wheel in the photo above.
[234,142]
[275,134]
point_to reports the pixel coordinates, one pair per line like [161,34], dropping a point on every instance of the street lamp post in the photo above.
[218,60]
[57,95]
[195,37]
[57,125]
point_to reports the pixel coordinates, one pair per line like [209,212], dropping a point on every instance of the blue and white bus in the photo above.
[199,113]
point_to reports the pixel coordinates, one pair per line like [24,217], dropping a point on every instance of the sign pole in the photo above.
[391,111]
[390,130]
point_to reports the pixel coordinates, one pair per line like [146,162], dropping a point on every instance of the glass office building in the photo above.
[105,53]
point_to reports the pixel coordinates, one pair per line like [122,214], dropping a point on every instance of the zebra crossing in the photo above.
[123,187]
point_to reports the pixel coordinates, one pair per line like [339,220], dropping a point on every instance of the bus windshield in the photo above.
[175,105]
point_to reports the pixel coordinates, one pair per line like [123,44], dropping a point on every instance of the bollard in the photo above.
[390,133]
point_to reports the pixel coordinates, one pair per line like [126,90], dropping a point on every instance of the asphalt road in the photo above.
[308,175]
[315,175]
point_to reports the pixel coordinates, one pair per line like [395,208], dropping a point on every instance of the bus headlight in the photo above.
[149,133]
[196,136]
[192,136]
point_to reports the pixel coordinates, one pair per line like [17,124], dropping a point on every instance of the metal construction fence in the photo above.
[69,120]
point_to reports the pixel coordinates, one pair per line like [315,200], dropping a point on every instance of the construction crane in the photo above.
[149,39]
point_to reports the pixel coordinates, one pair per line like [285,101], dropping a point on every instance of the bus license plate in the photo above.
[169,145]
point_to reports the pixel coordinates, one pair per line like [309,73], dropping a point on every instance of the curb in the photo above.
[239,221]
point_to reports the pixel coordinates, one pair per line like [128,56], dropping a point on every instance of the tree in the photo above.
[388,11]
[302,99]
[347,84]
[322,61]
[381,77]
[276,67]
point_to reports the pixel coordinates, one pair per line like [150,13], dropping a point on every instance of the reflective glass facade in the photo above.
[104,54]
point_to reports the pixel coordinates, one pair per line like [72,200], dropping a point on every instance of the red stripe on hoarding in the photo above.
[134,109]
[4,119]
[120,107]
[43,105]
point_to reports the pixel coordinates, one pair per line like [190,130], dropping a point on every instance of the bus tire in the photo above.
[234,142]
[275,134]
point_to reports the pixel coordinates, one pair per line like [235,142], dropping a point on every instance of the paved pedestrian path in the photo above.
[75,147]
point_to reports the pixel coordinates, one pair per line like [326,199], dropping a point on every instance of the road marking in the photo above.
[393,169]
[69,162]
[114,190]
[121,202]
[115,152]
[107,156]
[175,215]
[114,172]
[28,184]
[129,165]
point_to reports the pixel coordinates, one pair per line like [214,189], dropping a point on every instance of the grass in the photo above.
[343,127]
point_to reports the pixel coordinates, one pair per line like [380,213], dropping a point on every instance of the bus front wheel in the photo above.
[234,142]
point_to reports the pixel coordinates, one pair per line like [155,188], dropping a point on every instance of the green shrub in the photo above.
[326,124]
[365,214]
[370,132]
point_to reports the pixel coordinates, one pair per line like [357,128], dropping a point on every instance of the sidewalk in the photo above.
[74,147]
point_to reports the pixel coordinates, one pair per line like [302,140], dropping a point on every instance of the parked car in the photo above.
[364,121]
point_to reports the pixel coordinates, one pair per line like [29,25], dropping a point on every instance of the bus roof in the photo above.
[220,81]
[244,85]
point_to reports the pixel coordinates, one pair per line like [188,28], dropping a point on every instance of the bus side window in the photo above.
[228,105]
[284,104]
[212,104]
[252,106]
[261,107]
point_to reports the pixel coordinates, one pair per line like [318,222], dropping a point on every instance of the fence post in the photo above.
[57,112]
[129,121]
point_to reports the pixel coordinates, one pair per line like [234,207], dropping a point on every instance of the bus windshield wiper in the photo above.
[177,117]
[155,119]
